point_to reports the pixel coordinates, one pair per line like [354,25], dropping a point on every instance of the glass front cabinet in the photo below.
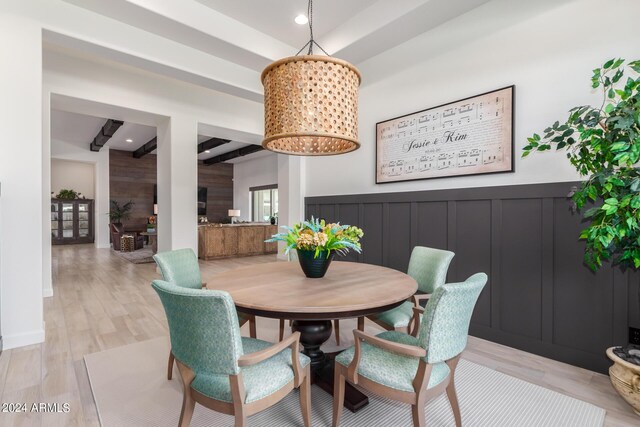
[71,221]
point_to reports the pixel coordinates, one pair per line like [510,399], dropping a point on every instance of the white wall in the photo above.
[25,250]
[111,89]
[21,280]
[546,48]
[252,173]
[73,175]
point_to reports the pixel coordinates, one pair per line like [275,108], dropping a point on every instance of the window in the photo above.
[264,202]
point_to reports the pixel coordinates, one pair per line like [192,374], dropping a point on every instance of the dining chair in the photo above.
[428,266]
[221,370]
[293,256]
[181,268]
[413,368]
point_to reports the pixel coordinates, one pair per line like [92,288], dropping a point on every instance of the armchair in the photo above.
[413,369]
[181,268]
[221,370]
[429,268]
[117,231]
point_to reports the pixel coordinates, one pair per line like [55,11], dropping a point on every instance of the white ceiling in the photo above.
[81,128]
[225,45]
[229,42]
[276,17]
[72,127]
[78,128]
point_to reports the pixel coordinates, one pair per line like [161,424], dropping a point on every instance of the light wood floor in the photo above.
[102,301]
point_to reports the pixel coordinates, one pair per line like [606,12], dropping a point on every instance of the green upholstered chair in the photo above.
[413,368]
[428,266]
[181,268]
[221,370]
[293,256]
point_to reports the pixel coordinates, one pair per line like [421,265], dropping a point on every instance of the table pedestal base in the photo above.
[312,335]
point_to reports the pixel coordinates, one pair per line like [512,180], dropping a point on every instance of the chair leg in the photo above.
[238,395]
[281,336]
[361,324]
[170,367]
[305,398]
[252,327]
[338,394]
[336,328]
[455,406]
[188,406]
[417,412]
[451,392]
[241,420]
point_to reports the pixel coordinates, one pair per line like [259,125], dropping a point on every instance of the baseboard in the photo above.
[24,339]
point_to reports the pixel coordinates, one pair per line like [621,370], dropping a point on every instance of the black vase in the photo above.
[314,268]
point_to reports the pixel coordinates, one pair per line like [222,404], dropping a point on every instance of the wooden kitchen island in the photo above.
[231,240]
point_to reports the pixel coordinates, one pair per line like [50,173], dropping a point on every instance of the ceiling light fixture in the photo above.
[301,19]
[207,151]
[311,103]
[129,140]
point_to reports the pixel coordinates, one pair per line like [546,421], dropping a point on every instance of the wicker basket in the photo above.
[625,378]
[127,243]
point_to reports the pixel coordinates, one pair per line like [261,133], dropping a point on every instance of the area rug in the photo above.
[141,256]
[131,389]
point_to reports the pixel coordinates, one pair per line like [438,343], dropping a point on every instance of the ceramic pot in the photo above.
[314,268]
[625,378]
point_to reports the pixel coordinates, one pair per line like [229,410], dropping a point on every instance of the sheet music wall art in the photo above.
[468,137]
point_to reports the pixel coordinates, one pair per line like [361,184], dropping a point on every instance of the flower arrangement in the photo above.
[321,238]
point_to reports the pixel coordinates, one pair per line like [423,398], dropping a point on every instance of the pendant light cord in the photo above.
[311,41]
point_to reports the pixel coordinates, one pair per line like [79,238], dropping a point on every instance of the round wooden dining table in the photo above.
[280,290]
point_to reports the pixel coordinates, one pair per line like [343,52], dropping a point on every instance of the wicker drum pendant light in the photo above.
[311,103]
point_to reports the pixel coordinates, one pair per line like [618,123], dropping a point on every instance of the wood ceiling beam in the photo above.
[212,143]
[106,132]
[233,154]
[146,148]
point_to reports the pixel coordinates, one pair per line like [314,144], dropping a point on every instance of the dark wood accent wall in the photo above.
[134,179]
[540,296]
[218,179]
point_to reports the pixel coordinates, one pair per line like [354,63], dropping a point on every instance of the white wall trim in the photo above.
[47,292]
[23,339]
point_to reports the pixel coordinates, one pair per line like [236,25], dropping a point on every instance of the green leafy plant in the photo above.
[67,194]
[603,144]
[320,237]
[119,212]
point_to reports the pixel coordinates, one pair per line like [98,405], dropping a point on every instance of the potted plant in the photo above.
[67,194]
[317,242]
[603,144]
[119,212]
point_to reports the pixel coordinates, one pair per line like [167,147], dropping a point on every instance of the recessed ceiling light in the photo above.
[207,151]
[129,140]
[301,19]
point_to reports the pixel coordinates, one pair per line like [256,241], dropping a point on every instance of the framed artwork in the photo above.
[468,137]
